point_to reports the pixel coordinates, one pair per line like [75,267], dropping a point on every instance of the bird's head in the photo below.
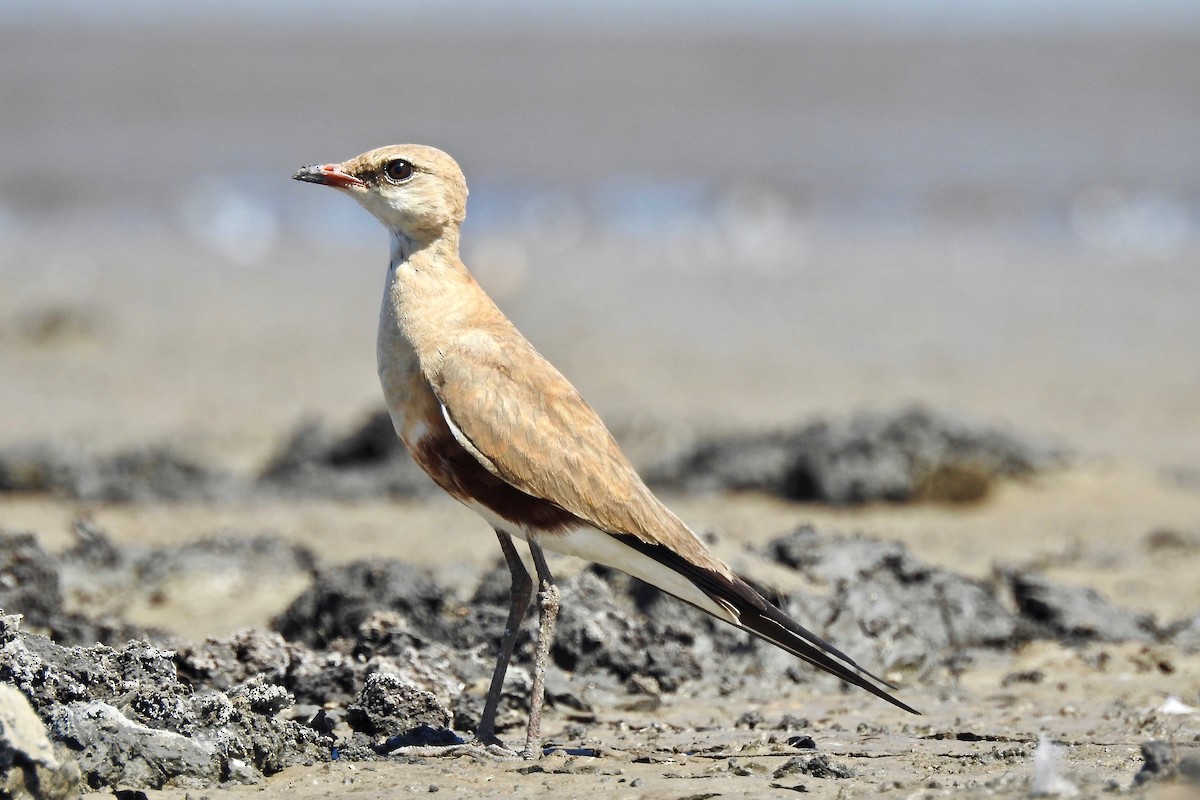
[417,192]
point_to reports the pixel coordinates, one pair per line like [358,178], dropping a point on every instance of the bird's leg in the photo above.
[522,585]
[486,745]
[548,614]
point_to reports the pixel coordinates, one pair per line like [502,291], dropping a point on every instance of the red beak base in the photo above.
[327,174]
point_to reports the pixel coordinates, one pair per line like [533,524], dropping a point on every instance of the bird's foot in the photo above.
[479,749]
[484,745]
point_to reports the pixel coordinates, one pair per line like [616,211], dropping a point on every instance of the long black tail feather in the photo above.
[758,616]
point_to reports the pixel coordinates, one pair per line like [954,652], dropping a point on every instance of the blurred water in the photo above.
[988,205]
[761,16]
[895,123]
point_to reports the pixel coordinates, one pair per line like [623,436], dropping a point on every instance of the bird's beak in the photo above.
[328,174]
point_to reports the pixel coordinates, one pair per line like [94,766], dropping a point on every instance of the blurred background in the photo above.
[709,215]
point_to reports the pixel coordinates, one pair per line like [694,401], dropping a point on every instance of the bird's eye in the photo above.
[397,170]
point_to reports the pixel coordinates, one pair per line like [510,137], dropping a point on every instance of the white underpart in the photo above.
[593,544]
[420,428]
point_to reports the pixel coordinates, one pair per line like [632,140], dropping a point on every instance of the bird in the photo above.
[503,432]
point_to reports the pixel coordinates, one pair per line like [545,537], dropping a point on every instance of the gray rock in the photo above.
[1075,613]
[367,462]
[908,615]
[240,554]
[135,723]
[343,597]
[818,766]
[1186,634]
[115,751]
[147,474]
[50,675]
[910,455]
[35,584]
[597,632]
[885,602]
[31,766]
[29,583]
[390,706]
[233,660]
[1164,761]
[101,575]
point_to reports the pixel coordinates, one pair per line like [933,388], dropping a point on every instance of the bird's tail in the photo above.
[750,611]
[761,618]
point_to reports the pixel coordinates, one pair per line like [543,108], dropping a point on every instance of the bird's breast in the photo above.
[396,359]
[417,417]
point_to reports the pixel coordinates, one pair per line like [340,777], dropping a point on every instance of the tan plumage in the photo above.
[501,430]
[541,437]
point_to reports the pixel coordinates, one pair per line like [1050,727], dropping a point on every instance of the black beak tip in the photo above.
[311,173]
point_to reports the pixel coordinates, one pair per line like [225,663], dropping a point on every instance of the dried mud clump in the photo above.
[1075,614]
[896,612]
[128,719]
[886,606]
[1165,761]
[341,598]
[141,475]
[29,578]
[912,455]
[367,462]
[96,575]
[31,766]
[32,583]
[377,656]
[602,632]
[394,712]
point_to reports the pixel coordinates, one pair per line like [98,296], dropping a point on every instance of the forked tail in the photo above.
[751,612]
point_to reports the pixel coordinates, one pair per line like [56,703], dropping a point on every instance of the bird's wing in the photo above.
[525,422]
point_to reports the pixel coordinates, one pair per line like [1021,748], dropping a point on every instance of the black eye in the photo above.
[397,170]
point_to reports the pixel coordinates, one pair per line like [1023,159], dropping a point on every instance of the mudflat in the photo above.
[971,457]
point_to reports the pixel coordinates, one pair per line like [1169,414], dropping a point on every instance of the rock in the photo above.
[147,474]
[910,615]
[883,601]
[235,552]
[1164,761]
[818,766]
[50,675]
[31,767]
[1075,613]
[342,597]
[39,467]
[382,644]
[911,455]
[35,585]
[390,706]
[233,660]
[106,579]
[133,721]
[113,750]
[1186,634]
[367,462]
[29,583]
[596,632]
[326,677]
[153,474]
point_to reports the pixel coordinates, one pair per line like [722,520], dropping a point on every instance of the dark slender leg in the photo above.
[519,596]
[548,614]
